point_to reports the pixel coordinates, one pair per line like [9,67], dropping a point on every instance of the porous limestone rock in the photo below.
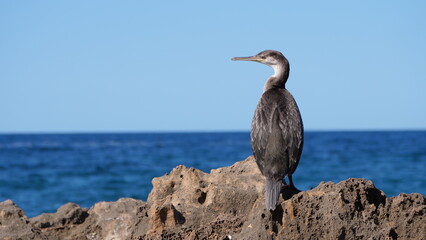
[228,203]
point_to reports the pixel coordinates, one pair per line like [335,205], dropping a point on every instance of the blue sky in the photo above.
[90,66]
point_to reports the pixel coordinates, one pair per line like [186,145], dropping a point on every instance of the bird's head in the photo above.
[277,61]
[269,57]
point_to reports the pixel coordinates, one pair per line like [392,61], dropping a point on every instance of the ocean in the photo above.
[41,172]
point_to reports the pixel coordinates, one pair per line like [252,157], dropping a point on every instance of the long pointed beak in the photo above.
[253,58]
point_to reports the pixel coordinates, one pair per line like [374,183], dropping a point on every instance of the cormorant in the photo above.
[277,128]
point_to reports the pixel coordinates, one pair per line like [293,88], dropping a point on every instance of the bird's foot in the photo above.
[288,191]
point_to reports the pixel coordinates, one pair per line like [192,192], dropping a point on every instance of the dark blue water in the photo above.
[42,172]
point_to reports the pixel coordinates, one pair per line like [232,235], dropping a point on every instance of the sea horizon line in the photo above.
[124,132]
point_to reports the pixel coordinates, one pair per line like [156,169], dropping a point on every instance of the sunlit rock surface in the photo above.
[228,203]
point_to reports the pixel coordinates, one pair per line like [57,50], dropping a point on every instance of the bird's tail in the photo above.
[272,193]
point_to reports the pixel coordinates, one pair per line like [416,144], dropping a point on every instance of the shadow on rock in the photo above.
[288,191]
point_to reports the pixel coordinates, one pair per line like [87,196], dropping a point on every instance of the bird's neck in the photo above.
[279,78]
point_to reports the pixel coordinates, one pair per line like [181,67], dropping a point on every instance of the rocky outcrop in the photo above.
[14,224]
[228,203]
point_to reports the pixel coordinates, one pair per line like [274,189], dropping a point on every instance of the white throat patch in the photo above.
[278,69]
